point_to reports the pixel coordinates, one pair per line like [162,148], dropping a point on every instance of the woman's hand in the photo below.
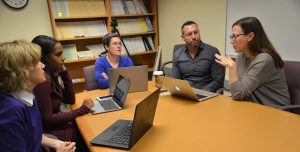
[88,103]
[66,147]
[62,68]
[104,75]
[225,61]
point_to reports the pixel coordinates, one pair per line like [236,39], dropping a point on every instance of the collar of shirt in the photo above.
[200,47]
[24,96]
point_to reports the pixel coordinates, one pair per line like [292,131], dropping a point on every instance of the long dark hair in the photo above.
[47,45]
[260,43]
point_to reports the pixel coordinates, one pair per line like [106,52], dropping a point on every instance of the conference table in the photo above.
[215,125]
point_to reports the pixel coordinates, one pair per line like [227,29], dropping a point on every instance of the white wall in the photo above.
[280,19]
[26,23]
[209,14]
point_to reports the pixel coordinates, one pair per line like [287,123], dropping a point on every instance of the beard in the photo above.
[194,44]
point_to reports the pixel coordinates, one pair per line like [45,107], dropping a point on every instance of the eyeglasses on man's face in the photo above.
[234,36]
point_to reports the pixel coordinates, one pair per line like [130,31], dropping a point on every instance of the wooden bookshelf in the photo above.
[63,14]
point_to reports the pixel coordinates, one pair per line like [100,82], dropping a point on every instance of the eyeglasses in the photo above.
[115,44]
[234,36]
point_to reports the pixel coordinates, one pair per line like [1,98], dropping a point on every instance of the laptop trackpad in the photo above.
[200,96]
[97,107]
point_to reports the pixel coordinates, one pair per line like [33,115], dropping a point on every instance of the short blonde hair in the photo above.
[17,59]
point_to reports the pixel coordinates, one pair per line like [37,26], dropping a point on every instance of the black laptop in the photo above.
[115,101]
[123,134]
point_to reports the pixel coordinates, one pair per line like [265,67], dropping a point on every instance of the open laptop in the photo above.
[138,75]
[124,134]
[183,89]
[115,101]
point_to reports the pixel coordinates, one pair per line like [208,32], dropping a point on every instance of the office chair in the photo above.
[292,72]
[163,66]
[89,75]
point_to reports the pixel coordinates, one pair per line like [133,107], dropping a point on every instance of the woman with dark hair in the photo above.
[257,74]
[52,93]
[113,45]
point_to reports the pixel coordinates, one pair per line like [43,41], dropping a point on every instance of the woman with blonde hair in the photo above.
[20,121]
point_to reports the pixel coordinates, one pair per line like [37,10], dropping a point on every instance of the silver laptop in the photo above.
[138,75]
[124,134]
[183,89]
[115,101]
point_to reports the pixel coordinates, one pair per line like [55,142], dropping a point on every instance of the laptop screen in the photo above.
[121,90]
[144,116]
[138,76]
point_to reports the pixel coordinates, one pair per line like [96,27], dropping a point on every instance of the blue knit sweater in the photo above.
[20,125]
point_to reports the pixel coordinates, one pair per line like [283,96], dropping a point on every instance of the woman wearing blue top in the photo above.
[20,121]
[113,45]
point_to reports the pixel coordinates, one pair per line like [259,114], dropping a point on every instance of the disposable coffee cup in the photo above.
[157,81]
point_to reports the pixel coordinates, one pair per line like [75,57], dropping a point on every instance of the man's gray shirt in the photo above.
[202,72]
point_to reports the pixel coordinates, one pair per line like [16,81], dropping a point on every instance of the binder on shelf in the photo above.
[149,24]
[79,8]
[85,54]
[96,49]
[150,40]
[61,8]
[70,52]
[117,7]
[81,29]
[147,44]
[135,25]
[130,7]
[140,7]
[124,7]
[138,44]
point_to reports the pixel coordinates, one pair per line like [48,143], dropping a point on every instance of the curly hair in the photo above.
[17,59]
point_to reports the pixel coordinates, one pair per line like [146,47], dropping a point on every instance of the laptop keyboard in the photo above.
[122,137]
[200,96]
[108,104]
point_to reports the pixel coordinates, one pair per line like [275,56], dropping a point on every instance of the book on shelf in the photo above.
[61,8]
[130,7]
[80,29]
[85,54]
[78,8]
[149,24]
[96,49]
[70,52]
[140,7]
[150,40]
[119,7]
[135,25]
[147,44]
[138,44]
